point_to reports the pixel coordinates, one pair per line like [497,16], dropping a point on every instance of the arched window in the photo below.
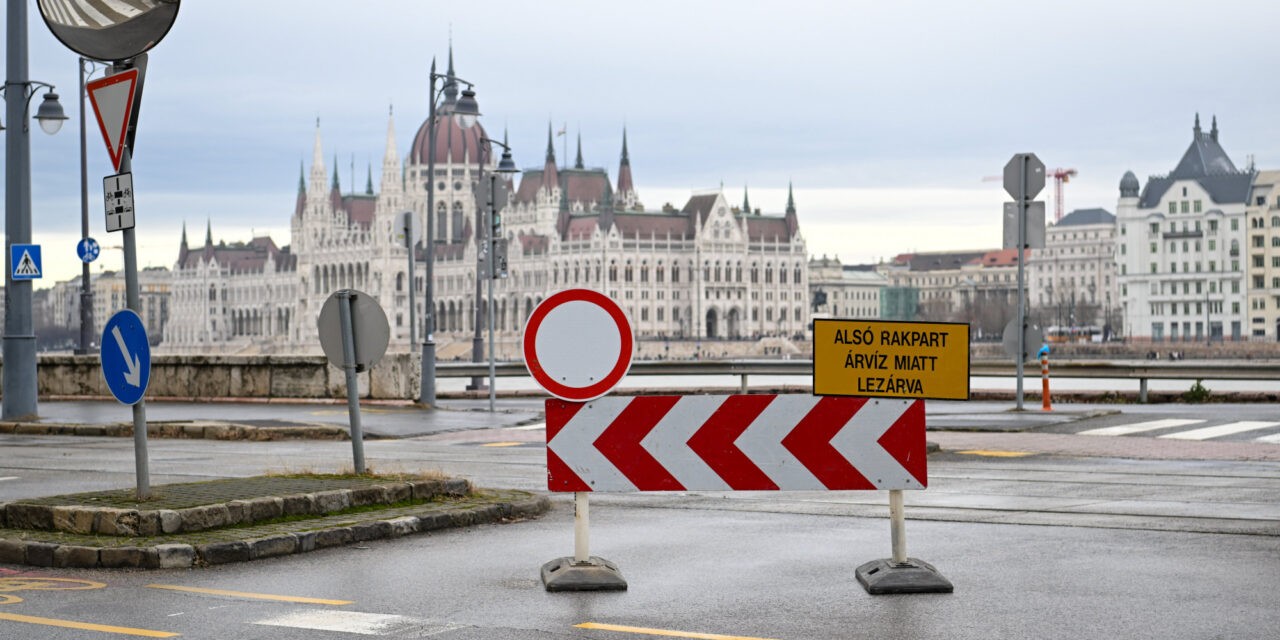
[442,222]
[661,275]
[613,272]
[457,222]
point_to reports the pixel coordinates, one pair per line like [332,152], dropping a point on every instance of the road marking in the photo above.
[369,624]
[537,426]
[1275,439]
[998,454]
[503,444]
[86,626]
[8,478]
[40,583]
[1139,427]
[1228,429]
[252,596]
[662,632]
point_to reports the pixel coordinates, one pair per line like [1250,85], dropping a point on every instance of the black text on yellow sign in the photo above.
[891,359]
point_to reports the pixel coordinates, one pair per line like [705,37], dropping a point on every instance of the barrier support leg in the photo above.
[582,572]
[901,574]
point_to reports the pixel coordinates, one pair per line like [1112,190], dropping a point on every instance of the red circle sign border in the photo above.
[565,392]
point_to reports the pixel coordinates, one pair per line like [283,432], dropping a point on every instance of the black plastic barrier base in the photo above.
[881,577]
[596,574]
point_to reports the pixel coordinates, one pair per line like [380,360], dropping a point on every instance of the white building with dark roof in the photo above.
[706,271]
[1182,271]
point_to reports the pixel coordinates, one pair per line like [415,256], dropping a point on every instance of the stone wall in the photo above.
[395,377]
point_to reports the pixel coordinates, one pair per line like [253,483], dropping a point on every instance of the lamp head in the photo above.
[50,114]
[466,110]
[506,164]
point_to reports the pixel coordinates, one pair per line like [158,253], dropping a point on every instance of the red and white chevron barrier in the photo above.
[736,443]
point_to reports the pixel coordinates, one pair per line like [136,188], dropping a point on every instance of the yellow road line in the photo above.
[997,454]
[502,444]
[662,632]
[245,594]
[87,626]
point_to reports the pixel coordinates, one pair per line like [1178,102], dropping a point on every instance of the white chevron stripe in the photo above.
[575,444]
[668,442]
[856,441]
[1139,427]
[1218,431]
[762,442]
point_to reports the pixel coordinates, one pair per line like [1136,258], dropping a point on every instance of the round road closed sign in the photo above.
[578,344]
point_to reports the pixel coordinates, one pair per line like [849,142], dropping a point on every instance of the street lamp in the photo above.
[19,348]
[507,167]
[464,112]
[86,291]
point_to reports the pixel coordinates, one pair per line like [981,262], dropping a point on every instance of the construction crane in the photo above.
[1060,177]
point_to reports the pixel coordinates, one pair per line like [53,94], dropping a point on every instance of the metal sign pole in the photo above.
[493,181]
[134,302]
[1023,161]
[353,390]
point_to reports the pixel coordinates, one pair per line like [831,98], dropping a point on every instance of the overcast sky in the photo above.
[886,116]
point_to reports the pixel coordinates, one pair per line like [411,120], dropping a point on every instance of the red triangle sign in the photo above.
[112,99]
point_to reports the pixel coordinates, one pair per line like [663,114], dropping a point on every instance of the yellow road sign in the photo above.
[891,359]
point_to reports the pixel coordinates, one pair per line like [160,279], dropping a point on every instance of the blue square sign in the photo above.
[24,261]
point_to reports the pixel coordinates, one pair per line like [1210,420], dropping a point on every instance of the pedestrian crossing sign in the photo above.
[24,262]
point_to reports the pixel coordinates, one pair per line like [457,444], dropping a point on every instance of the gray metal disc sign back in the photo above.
[369,327]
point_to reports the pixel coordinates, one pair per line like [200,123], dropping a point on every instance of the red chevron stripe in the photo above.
[559,413]
[810,443]
[714,443]
[620,443]
[559,476]
[905,441]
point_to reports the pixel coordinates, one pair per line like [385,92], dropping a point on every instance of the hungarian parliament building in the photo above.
[706,271]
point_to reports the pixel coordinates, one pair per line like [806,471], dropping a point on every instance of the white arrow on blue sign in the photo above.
[88,249]
[126,356]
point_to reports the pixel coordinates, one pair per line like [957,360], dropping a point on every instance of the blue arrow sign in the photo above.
[24,261]
[88,250]
[126,356]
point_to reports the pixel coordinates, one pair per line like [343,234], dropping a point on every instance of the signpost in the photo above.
[891,359]
[126,356]
[122,37]
[117,192]
[25,262]
[1023,180]
[88,250]
[354,335]
[578,344]
[113,100]
[126,368]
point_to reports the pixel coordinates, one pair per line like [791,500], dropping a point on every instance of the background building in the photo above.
[1072,280]
[1180,236]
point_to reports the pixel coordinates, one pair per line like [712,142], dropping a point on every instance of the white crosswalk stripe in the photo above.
[356,622]
[1272,439]
[1218,431]
[1139,427]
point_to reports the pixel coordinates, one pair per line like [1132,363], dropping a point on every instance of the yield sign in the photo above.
[736,443]
[113,99]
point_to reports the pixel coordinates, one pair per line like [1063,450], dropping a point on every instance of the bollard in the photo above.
[1044,382]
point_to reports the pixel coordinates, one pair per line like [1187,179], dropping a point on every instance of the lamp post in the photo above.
[19,348]
[86,291]
[507,167]
[464,113]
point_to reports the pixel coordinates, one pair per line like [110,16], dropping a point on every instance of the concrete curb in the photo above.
[183,556]
[199,429]
[88,520]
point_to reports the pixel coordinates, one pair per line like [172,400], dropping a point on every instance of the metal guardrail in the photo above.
[1139,370]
